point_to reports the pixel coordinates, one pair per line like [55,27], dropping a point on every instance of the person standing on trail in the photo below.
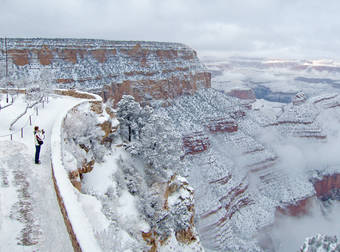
[38,140]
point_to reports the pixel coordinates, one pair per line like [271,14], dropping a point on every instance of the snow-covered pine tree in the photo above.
[161,143]
[321,243]
[81,129]
[152,136]
[40,87]
[45,81]
[128,112]
[159,146]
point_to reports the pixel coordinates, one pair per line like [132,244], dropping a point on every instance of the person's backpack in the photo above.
[40,142]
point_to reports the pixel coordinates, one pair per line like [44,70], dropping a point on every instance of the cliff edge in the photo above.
[146,70]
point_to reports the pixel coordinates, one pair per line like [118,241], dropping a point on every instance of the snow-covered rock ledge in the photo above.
[14,90]
[77,224]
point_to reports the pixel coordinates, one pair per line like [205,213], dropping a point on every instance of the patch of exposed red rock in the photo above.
[323,190]
[237,200]
[222,125]
[195,143]
[243,93]
[324,186]
[157,89]
[299,208]
[221,181]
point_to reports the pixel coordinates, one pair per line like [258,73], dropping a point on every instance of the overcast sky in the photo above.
[275,28]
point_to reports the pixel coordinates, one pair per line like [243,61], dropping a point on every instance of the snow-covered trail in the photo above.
[30,218]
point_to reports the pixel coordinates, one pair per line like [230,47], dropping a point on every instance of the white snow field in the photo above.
[30,217]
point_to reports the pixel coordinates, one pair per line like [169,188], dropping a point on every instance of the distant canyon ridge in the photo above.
[147,70]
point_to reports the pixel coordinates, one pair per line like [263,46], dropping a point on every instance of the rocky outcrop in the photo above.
[146,70]
[179,197]
[299,208]
[178,203]
[326,185]
[299,98]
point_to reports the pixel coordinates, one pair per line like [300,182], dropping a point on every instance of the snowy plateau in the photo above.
[174,162]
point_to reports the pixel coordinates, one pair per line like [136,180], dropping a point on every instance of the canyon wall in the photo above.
[243,181]
[146,70]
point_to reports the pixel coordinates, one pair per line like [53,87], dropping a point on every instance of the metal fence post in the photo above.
[22,132]
[30,120]
[11,137]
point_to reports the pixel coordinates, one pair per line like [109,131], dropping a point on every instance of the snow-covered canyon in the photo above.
[174,165]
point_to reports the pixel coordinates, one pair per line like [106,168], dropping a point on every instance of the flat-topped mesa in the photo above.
[146,70]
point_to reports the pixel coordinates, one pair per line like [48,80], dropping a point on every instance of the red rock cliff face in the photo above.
[323,189]
[300,208]
[328,183]
[242,93]
[146,70]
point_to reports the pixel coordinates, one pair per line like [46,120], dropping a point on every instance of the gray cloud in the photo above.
[302,28]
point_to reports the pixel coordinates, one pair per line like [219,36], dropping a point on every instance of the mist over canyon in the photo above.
[254,141]
[274,83]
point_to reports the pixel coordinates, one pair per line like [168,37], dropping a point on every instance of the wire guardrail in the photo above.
[7,101]
[6,106]
[29,120]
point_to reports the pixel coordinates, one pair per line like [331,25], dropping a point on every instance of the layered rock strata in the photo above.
[146,70]
[222,167]
[241,182]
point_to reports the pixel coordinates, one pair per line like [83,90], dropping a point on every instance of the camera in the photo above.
[43,131]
